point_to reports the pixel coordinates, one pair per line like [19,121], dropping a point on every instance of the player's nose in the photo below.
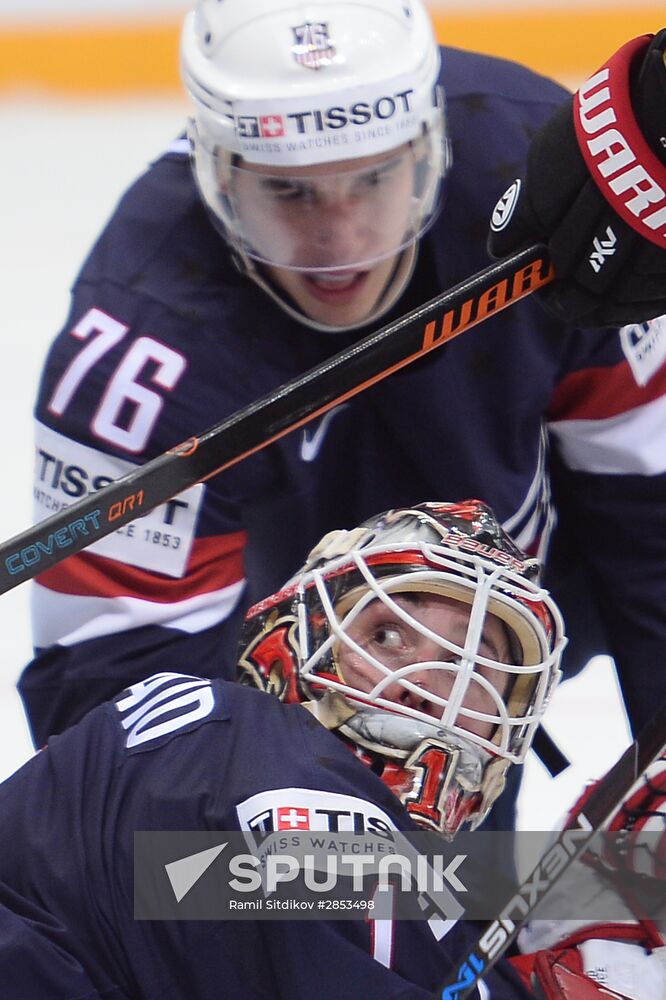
[424,684]
[339,224]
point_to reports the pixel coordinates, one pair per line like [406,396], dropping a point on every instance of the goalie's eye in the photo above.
[388,636]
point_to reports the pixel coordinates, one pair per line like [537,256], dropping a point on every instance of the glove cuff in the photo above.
[648,95]
[629,175]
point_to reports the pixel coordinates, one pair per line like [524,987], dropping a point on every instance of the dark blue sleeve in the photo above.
[38,958]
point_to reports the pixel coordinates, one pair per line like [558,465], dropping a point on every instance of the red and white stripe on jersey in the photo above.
[604,422]
[88,595]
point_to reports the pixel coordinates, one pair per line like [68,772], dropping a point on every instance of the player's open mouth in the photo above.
[335,286]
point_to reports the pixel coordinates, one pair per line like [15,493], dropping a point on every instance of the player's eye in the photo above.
[290,190]
[374,178]
[377,177]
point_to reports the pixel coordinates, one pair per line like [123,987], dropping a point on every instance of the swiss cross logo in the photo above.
[263,127]
[271,126]
[292,818]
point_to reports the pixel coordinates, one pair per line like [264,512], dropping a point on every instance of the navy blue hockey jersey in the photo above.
[184,753]
[165,338]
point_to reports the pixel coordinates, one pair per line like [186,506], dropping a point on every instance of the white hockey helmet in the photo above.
[281,88]
[439,716]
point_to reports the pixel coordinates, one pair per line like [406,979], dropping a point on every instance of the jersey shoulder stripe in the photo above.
[601,392]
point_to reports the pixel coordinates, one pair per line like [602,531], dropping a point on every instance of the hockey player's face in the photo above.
[428,668]
[329,236]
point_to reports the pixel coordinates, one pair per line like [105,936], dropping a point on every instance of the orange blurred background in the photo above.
[114,54]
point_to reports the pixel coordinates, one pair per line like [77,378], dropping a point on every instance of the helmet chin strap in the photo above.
[395,286]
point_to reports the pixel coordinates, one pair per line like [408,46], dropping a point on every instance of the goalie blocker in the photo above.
[595,189]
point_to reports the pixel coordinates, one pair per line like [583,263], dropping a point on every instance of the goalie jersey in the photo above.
[188,754]
[165,338]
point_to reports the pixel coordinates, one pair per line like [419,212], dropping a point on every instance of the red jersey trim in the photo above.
[599,393]
[215,562]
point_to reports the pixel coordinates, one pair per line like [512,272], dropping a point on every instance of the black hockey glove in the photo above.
[595,193]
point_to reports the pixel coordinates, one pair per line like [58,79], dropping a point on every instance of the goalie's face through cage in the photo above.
[405,649]
[422,639]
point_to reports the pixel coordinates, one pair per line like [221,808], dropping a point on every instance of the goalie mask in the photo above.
[318,136]
[423,639]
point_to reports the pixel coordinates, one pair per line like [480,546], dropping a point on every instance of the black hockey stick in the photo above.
[264,421]
[603,800]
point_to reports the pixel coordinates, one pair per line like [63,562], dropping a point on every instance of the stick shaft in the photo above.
[290,406]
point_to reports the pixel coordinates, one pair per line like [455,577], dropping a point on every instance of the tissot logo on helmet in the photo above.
[359,113]
[319,120]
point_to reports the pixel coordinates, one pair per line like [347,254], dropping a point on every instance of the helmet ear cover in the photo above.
[270,660]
